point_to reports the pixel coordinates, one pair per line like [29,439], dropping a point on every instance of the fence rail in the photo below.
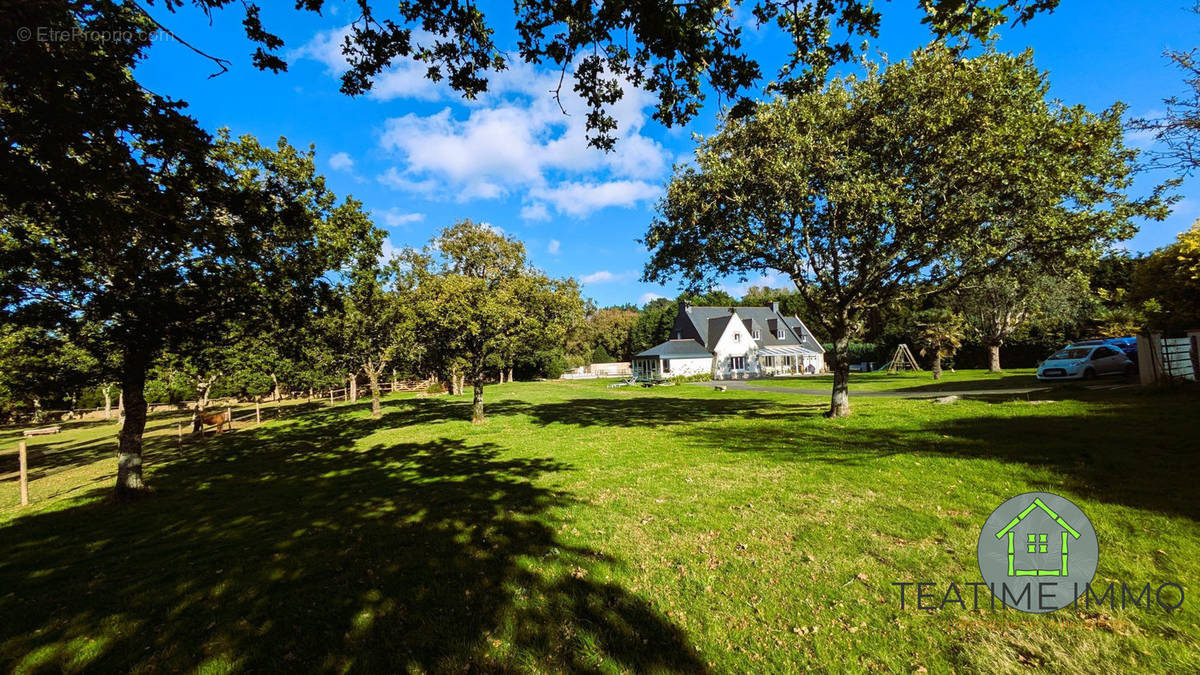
[234,417]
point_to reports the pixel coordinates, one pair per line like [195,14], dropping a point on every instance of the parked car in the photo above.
[1128,345]
[1083,362]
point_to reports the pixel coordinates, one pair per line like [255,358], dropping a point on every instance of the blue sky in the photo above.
[420,158]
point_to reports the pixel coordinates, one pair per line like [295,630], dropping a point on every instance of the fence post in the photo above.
[23,460]
[331,396]
[257,414]
[228,419]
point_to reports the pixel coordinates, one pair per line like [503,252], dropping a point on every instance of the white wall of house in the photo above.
[736,342]
[689,366]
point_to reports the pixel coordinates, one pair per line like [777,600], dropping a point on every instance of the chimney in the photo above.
[774,306]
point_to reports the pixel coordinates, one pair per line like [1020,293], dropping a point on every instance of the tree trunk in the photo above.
[121,407]
[373,378]
[501,376]
[510,371]
[275,392]
[477,403]
[994,358]
[107,401]
[202,390]
[129,449]
[839,401]
[937,364]
[353,388]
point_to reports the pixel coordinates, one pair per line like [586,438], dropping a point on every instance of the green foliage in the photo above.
[684,379]
[679,52]
[41,368]
[1166,284]
[127,226]
[478,304]
[653,324]
[869,201]
[435,388]
[858,352]
[1018,295]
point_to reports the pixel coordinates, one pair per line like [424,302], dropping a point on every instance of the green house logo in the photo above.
[1037,546]
[1037,552]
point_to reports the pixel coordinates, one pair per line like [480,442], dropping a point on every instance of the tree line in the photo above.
[134,236]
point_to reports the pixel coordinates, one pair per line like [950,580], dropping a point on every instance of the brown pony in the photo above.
[218,419]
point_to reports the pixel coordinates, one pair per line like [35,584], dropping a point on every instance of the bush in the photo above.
[158,391]
[435,388]
[862,351]
[554,367]
[681,379]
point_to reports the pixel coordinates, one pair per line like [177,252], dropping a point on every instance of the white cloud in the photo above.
[393,179]
[1144,138]
[515,137]
[580,199]
[604,276]
[597,277]
[341,161]
[405,79]
[394,217]
[387,250]
[535,211]
[648,297]
[554,247]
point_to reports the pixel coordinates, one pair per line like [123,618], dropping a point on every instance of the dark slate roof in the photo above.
[705,325]
[716,328]
[695,322]
[806,337]
[677,349]
[761,318]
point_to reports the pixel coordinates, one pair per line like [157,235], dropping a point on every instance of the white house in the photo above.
[733,343]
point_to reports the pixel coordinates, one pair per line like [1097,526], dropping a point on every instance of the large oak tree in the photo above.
[477,298]
[900,184]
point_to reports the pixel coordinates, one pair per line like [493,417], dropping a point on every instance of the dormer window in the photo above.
[737,337]
[757,336]
[779,334]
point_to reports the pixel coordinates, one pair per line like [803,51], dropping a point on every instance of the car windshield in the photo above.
[1071,354]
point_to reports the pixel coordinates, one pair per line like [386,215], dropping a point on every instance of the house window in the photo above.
[757,335]
[787,360]
[666,365]
[768,361]
[779,334]
[737,363]
[737,337]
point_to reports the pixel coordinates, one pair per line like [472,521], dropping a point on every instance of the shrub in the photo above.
[435,388]
[681,379]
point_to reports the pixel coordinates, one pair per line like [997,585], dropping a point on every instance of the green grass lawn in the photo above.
[583,528]
[909,381]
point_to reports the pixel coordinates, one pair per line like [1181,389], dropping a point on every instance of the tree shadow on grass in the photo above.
[654,411]
[1135,453]
[289,547]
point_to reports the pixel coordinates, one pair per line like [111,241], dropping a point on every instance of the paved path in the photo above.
[752,385]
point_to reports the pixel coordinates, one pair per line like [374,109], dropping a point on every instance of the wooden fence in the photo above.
[233,418]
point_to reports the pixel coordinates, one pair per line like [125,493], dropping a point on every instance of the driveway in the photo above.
[753,385]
